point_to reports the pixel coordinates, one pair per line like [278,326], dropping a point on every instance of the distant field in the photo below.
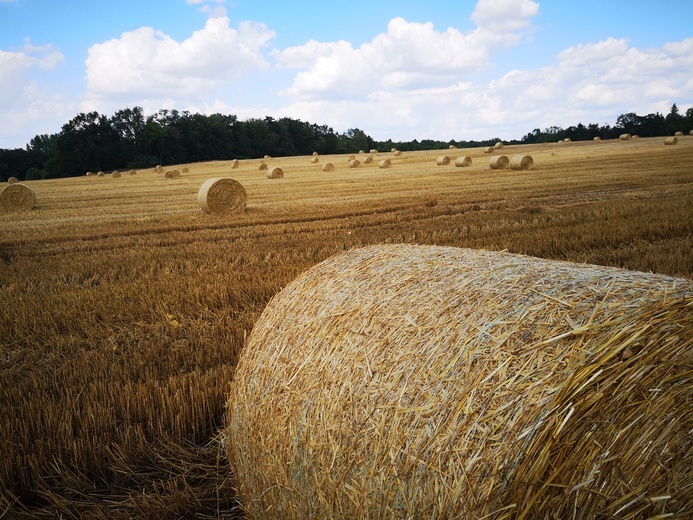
[124,306]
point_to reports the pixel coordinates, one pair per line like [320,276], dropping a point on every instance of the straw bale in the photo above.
[567,140]
[176,173]
[463,162]
[624,137]
[17,197]
[221,195]
[393,150]
[498,162]
[89,174]
[362,151]
[170,174]
[597,138]
[452,147]
[368,160]
[690,133]
[678,134]
[405,381]
[116,174]
[315,154]
[498,145]
[12,180]
[635,137]
[159,169]
[262,166]
[235,163]
[443,160]
[671,140]
[373,151]
[354,164]
[521,162]
[268,157]
[133,172]
[328,167]
[275,173]
[100,174]
[385,163]
[398,153]
[351,158]
[315,160]
[489,149]
[185,169]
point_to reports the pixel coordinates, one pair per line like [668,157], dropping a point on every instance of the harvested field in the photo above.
[125,306]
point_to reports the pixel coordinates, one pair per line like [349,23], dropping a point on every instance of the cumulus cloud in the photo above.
[16,65]
[149,63]
[212,8]
[504,15]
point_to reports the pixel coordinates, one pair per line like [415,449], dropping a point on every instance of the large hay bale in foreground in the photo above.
[463,162]
[222,195]
[17,197]
[443,160]
[521,162]
[385,163]
[275,173]
[403,381]
[498,162]
[328,167]
[671,140]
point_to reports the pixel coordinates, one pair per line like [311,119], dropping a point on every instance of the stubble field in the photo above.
[124,307]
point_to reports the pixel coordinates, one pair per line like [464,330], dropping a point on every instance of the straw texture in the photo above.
[521,162]
[328,167]
[116,175]
[17,197]
[498,162]
[262,166]
[315,160]
[489,149]
[354,163]
[368,160]
[133,172]
[498,145]
[275,173]
[671,140]
[398,153]
[12,180]
[463,162]
[222,195]
[403,381]
[170,174]
[443,160]
[624,137]
[384,163]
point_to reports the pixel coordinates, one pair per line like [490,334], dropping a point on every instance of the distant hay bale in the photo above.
[624,137]
[498,145]
[176,173]
[679,134]
[393,150]
[222,195]
[351,158]
[385,163]
[170,174]
[567,140]
[671,140]
[398,153]
[690,133]
[235,163]
[159,169]
[521,162]
[116,174]
[362,151]
[463,162]
[89,174]
[262,166]
[328,167]
[133,172]
[452,147]
[12,180]
[443,160]
[368,160]
[373,151]
[185,169]
[100,174]
[354,164]
[597,138]
[498,162]
[489,149]
[635,137]
[315,154]
[17,197]
[405,381]
[275,173]
[268,157]
[315,160]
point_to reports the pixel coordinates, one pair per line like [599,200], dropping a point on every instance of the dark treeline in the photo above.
[128,139]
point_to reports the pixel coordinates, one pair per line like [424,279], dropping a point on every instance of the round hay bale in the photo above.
[185,169]
[368,160]
[116,175]
[17,197]
[679,134]
[407,381]
[498,145]
[268,157]
[354,163]
[567,140]
[133,172]
[374,151]
[463,162]
[362,151]
[498,162]
[351,158]
[262,166]
[398,153]
[176,173]
[489,149]
[222,195]
[170,174]
[521,162]
[12,180]
[452,147]
[235,163]
[315,160]
[100,174]
[671,140]
[328,167]
[275,173]
[315,154]
[393,150]
[385,163]
[443,160]
[89,174]
[636,137]
[159,169]
[690,133]
[624,137]
[596,138]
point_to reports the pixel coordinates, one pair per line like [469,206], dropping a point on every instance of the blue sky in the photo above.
[435,69]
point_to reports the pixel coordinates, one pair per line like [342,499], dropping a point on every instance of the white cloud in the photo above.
[504,15]
[148,63]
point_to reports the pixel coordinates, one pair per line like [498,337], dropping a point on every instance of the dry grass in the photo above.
[124,306]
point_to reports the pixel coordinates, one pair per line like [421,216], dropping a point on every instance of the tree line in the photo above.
[129,140]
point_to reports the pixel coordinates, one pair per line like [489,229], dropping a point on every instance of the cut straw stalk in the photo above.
[222,195]
[17,197]
[436,382]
